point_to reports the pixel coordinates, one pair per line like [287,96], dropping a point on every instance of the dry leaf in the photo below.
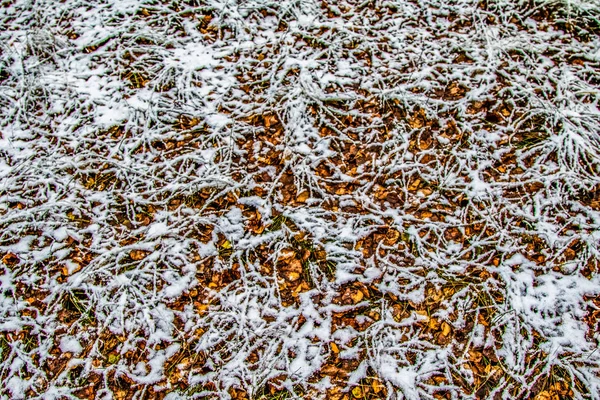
[446,329]
[71,269]
[424,192]
[391,237]
[293,276]
[481,320]
[356,296]
[544,395]
[334,347]
[377,386]
[286,254]
[423,313]
[138,255]
[357,392]
[414,185]
[475,356]
[434,324]
[302,197]
[295,265]
[10,259]
[270,120]
[301,287]
[201,308]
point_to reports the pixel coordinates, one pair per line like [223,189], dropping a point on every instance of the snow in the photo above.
[70,344]
[503,215]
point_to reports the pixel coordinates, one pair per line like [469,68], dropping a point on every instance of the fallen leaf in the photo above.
[293,276]
[286,254]
[270,120]
[377,386]
[302,197]
[544,395]
[434,324]
[334,347]
[10,259]
[424,192]
[415,185]
[357,392]
[138,255]
[446,329]
[295,265]
[300,288]
[356,296]
[391,237]
[423,313]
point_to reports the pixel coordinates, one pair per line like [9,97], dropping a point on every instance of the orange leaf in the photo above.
[334,347]
[302,197]
[356,296]
[138,255]
[377,386]
[293,276]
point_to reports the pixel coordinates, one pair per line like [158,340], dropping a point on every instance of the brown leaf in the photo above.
[332,370]
[303,286]
[475,356]
[424,192]
[270,120]
[295,265]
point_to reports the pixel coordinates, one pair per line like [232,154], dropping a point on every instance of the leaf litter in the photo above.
[270,200]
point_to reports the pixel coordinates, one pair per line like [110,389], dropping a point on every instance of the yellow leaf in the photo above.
[201,308]
[334,347]
[357,392]
[434,324]
[377,386]
[226,245]
[424,192]
[414,185]
[293,276]
[445,329]
[302,197]
[357,296]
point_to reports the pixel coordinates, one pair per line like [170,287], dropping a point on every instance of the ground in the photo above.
[299,199]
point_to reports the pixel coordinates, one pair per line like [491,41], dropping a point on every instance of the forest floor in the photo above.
[299,199]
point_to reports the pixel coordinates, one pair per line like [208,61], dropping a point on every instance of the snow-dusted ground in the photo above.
[252,198]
